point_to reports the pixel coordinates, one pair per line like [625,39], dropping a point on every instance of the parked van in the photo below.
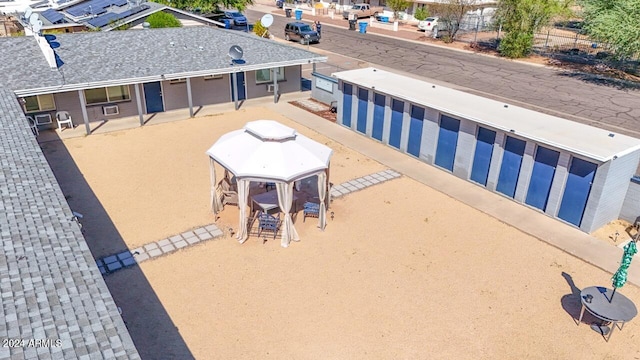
[299,31]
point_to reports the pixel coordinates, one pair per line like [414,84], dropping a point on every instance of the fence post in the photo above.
[546,41]
[475,36]
[575,43]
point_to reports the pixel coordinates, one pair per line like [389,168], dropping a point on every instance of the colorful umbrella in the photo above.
[620,277]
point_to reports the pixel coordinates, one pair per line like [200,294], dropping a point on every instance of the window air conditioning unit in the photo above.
[270,88]
[110,110]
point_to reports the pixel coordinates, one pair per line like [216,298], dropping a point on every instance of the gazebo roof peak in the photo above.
[270,130]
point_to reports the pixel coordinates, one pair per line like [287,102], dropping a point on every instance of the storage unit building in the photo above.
[576,173]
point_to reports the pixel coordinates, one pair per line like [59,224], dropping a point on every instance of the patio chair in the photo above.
[63,117]
[229,196]
[267,222]
[311,210]
[33,126]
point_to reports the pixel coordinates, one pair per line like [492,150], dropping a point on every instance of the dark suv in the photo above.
[301,32]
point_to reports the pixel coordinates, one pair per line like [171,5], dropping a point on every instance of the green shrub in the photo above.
[162,20]
[260,30]
[421,14]
[516,44]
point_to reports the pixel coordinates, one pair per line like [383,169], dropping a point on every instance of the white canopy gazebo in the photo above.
[267,151]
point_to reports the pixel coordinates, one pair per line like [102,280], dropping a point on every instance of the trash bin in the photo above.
[352,24]
[298,14]
[287,12]
[363,27]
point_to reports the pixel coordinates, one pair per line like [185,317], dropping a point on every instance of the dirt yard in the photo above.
[394,276]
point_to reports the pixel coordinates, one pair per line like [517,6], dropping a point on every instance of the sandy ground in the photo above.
[402,272]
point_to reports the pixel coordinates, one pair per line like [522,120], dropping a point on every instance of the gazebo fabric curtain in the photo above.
[285,200]
[216,204]
[243,194]
[322,193]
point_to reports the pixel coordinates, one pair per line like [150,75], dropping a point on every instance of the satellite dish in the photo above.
[235,52]
[37,27]
[266,20]
[33,18]
[27,12]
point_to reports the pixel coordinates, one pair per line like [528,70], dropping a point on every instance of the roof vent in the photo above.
[612,134]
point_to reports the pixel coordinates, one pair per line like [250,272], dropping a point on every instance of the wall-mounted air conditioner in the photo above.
[270,88]
[111,110]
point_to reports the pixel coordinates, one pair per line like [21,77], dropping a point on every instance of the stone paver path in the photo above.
[112,263]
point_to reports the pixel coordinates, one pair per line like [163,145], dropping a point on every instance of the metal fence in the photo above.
[558,42]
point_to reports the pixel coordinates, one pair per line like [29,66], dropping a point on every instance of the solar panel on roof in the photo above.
[91,7]
[52,16]
[119,2]
[103,20]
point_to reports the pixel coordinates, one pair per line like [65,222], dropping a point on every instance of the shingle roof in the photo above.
[125,57]
[50,287]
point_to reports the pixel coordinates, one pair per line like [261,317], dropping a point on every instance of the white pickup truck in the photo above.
[362,10]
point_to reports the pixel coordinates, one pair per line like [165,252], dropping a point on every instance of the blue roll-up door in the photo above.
[544,168]
[395,133]
[363,104]
[415,130]
[576,191]
[447,142]
[378,116]
[347,90]
[510,168]
[482,157]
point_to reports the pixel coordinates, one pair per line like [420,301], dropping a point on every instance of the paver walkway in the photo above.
[126,258]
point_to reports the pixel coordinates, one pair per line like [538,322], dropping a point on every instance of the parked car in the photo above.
[301,32]
[435,26]
[428,24]
[236,17]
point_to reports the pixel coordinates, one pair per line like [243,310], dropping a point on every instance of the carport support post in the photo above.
[83,106]
[275,85]
[234,81]
[189,97]
[139,103]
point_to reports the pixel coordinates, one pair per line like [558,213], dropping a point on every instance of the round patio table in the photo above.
[597,300]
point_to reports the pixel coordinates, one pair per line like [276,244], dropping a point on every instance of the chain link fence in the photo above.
[562,43]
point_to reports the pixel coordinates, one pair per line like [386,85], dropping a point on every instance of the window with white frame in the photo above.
[107,95]
[39,103]
[264,75]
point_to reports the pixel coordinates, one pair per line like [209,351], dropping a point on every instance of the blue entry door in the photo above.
[482,157]
[544,168]
[447,142]
[242,91]
[576,191]
[378,116]
[510,168]
[363,102]
[395,131]
[153,97]
[347,91]
[415,130]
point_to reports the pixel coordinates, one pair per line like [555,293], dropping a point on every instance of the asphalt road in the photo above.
[584,98]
